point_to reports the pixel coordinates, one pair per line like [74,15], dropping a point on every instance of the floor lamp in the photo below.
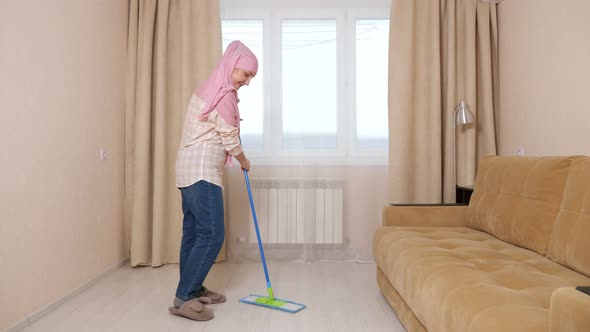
[463,116]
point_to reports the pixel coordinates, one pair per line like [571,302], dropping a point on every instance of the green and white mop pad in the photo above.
[279,304]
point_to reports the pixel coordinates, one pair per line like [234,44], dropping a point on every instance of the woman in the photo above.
[210,138]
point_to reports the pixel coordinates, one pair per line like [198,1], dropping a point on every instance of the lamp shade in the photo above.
[464,115]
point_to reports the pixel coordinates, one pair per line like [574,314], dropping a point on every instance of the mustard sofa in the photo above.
[510,261]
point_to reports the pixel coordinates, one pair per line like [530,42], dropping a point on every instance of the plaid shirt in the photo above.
[204,146]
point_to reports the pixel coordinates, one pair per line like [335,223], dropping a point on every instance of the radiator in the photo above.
[292,211]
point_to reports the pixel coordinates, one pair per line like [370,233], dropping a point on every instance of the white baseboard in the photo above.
[35,316]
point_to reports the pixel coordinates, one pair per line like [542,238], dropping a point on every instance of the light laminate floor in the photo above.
[339,297]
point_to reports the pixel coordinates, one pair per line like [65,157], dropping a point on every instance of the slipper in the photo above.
[194,309]
[213,296]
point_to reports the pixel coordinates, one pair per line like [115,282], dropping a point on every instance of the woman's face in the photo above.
[241,77]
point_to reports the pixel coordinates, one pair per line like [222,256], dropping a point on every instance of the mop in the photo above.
[266,301]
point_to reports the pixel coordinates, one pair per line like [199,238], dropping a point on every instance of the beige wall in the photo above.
[62,65]
[365,195]
[544,77]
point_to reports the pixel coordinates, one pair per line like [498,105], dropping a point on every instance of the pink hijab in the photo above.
[218,91]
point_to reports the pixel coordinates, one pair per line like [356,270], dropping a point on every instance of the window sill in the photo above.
[318,161]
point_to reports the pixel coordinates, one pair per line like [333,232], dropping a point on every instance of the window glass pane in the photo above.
[251,98]
[372,49]
[309,83]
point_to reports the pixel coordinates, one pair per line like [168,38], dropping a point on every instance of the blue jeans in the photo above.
[202,236]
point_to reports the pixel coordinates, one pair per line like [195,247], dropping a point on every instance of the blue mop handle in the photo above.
[268,285]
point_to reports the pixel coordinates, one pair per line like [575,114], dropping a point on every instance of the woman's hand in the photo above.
[246,165]
[244,162]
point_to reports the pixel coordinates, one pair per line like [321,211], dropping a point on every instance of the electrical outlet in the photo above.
[102,154]
[520,151]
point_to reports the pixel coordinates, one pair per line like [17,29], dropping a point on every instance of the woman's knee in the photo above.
[219,236]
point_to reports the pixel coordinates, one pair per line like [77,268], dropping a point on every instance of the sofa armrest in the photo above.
[569,310]
[425,215]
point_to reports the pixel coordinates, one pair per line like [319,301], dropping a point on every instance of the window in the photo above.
[309,84]
[321,90]
[372,44]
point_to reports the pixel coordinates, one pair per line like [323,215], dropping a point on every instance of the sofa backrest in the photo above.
[570,240]
[517,199]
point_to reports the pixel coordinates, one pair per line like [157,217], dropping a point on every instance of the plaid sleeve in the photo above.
[230,136]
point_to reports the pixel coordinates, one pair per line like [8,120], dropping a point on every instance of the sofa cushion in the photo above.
[460,279]
[570,240]
[516,199]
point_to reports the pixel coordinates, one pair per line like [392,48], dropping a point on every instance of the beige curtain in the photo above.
[172,46]
[441,51]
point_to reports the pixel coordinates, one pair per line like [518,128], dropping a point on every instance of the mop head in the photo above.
[265,301]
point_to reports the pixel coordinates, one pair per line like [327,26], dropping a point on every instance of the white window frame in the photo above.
[347,151]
